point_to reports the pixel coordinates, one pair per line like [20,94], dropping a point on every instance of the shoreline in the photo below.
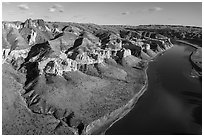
[198,49]
[116,114]
[191,44]
[122,111]
[134,100]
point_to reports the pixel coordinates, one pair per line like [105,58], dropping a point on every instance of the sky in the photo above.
[119,13]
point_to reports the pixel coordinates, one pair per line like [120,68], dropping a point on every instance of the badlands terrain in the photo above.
[71,78]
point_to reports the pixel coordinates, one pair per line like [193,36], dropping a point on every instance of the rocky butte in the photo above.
[70,78]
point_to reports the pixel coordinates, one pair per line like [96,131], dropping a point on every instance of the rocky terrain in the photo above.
[190,35]
[176,32]
[70,78]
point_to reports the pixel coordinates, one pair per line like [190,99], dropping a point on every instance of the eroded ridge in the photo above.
[68,74]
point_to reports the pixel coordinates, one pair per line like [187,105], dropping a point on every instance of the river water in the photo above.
[172,103]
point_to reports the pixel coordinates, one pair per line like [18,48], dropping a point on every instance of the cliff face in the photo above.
[70,74]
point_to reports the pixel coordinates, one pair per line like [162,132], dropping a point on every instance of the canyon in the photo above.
[67,78]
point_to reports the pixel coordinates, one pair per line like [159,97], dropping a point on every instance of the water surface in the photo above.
[172,103]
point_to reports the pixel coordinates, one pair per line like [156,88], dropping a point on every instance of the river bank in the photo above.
[195,58]
[108,120]
[185,42]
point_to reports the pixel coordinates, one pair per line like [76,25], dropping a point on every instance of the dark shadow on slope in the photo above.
[77,43]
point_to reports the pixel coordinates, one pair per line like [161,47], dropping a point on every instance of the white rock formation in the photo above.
[64,64]
[127,52]
[33,37]
[14,54]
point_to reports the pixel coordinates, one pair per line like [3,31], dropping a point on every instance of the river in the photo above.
[172,103]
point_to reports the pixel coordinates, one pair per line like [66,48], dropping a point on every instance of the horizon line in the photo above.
[106,24]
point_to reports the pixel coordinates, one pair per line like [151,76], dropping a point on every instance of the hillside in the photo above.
[66,78]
